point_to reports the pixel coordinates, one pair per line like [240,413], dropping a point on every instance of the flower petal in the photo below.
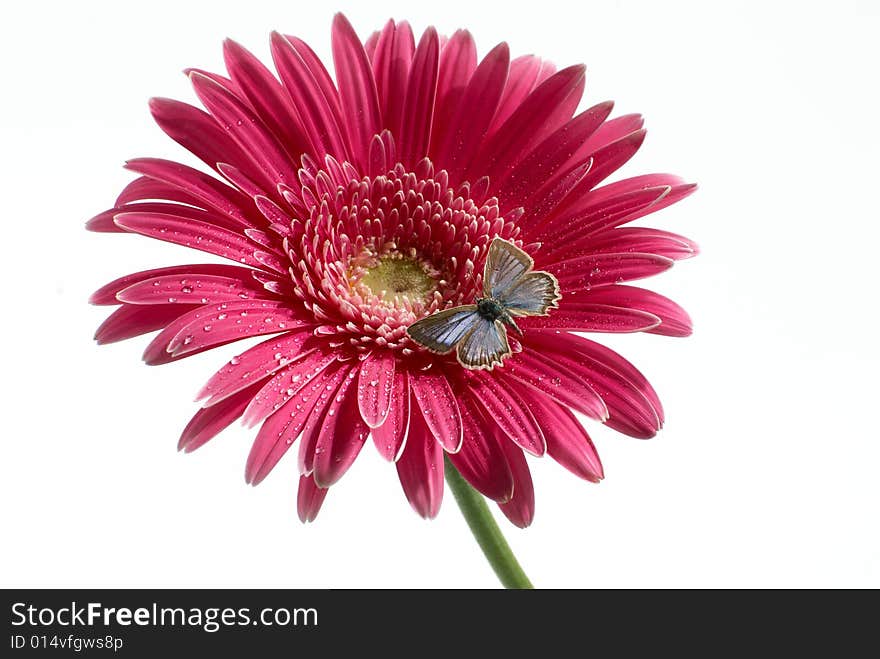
[309,499]
[551,157]
[476,108]
[567,441]
[288,382]
[562,383]
[225,322]
[313,431]
[509,411]
[208,422]
[458,59]
[130,320]
[438,407]
[421,93]
[342,436]
[282,428]
[390,437]
[248,131]
[420,469]
[255,364]
[575,231]
[591,317]
[481,461]
[633,408]
[391,65]
[206,190]
[357,88]
[197,132]
[312,100]
[191,233]
[674,321]
[520,510]
[645,241]
[596,270]
[106,295]
[268,98]
[545,110]
[190,288]
[606,161]
[376,387]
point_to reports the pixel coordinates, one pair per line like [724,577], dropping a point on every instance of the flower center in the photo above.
[398,280]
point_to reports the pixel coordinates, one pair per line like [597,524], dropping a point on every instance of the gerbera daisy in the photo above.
[353,209]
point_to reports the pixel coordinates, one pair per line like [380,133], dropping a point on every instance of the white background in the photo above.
[766,473]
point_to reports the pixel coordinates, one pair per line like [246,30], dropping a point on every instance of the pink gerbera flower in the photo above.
[353,209]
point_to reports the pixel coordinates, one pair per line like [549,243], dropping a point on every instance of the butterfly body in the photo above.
[477,332]
[493,310]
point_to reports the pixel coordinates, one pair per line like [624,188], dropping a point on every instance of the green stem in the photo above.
[488,535]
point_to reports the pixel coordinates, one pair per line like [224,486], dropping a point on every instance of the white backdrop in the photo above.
[766,472]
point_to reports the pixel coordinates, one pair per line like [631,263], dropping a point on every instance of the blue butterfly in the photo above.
[478,332]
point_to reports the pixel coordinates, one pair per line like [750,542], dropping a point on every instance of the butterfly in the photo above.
[478,332]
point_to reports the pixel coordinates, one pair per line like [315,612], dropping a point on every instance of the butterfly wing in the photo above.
[532,295]
[440,332]
[505,264]
[485,346]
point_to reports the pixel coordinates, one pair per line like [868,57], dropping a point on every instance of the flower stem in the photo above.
[488,535]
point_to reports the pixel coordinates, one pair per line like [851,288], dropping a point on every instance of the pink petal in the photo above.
[208,191]
[562,382]
[107,293]
[255,364]
[376,387]
[606,161]
[357,88]
[590,317]
[391,64]
[191,233]
[282,429]
[248,131]
[674,321]
[145,187]
[267,97]
[611,131]
[193,288]
[342,436]
[313,429]
[630,410]
[476,108]
[613,361]
[420,469]
[458,59]
[548,159]
[209,422]
[309,499]
[105,221]
[197,132]
[421,93]
[546,109]
[644,240]
[225,322]
[575,231]
[567,441]
[508,410]
[603,269]
[288,382]
[129,321]
[308,96]
[390,437]
[438,407]
[521,80]
[481,461]
[520,510]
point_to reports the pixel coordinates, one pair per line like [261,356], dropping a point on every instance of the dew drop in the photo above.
[187,339]
[235,361]
[186,289]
